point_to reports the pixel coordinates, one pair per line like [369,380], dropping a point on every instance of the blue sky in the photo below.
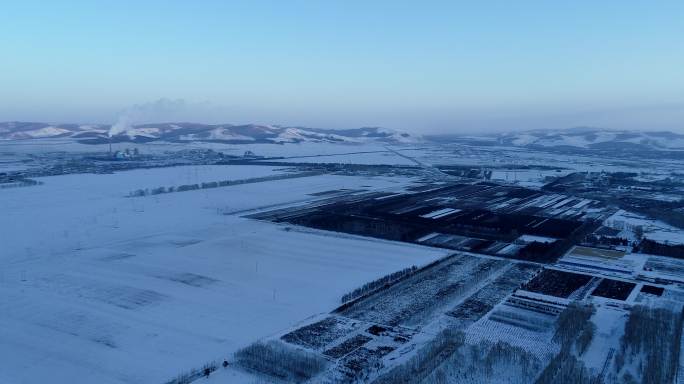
[426,66]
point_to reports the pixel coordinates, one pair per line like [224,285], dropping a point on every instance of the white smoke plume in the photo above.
[122,124]
[156,111]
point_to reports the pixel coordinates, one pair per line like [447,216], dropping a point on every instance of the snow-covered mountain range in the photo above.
[594,138]
[576,138]
[189,132]
[580,138]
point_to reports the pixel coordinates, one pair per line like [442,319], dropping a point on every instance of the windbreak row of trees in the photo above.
[277,360]
[20,183]
[215,184]
[424,362]
[382,282]
[448,359]
[649,348]
[487,362]
[661,249]
[605,240]
[574,332]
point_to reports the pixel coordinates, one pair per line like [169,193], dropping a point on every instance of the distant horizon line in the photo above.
[433,133]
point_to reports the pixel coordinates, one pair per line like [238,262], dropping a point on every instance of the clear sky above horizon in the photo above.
[426,66]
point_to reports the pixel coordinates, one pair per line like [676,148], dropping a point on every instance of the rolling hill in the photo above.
[192,132]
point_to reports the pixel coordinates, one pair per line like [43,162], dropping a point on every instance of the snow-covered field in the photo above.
[527,177]
[627,222]
[293,149]
[365,157]
[99,288]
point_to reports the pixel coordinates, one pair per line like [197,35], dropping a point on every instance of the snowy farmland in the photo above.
[504,265]
[101,288]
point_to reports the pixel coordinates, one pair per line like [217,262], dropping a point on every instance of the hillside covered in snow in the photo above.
[586,138]
[192,132]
